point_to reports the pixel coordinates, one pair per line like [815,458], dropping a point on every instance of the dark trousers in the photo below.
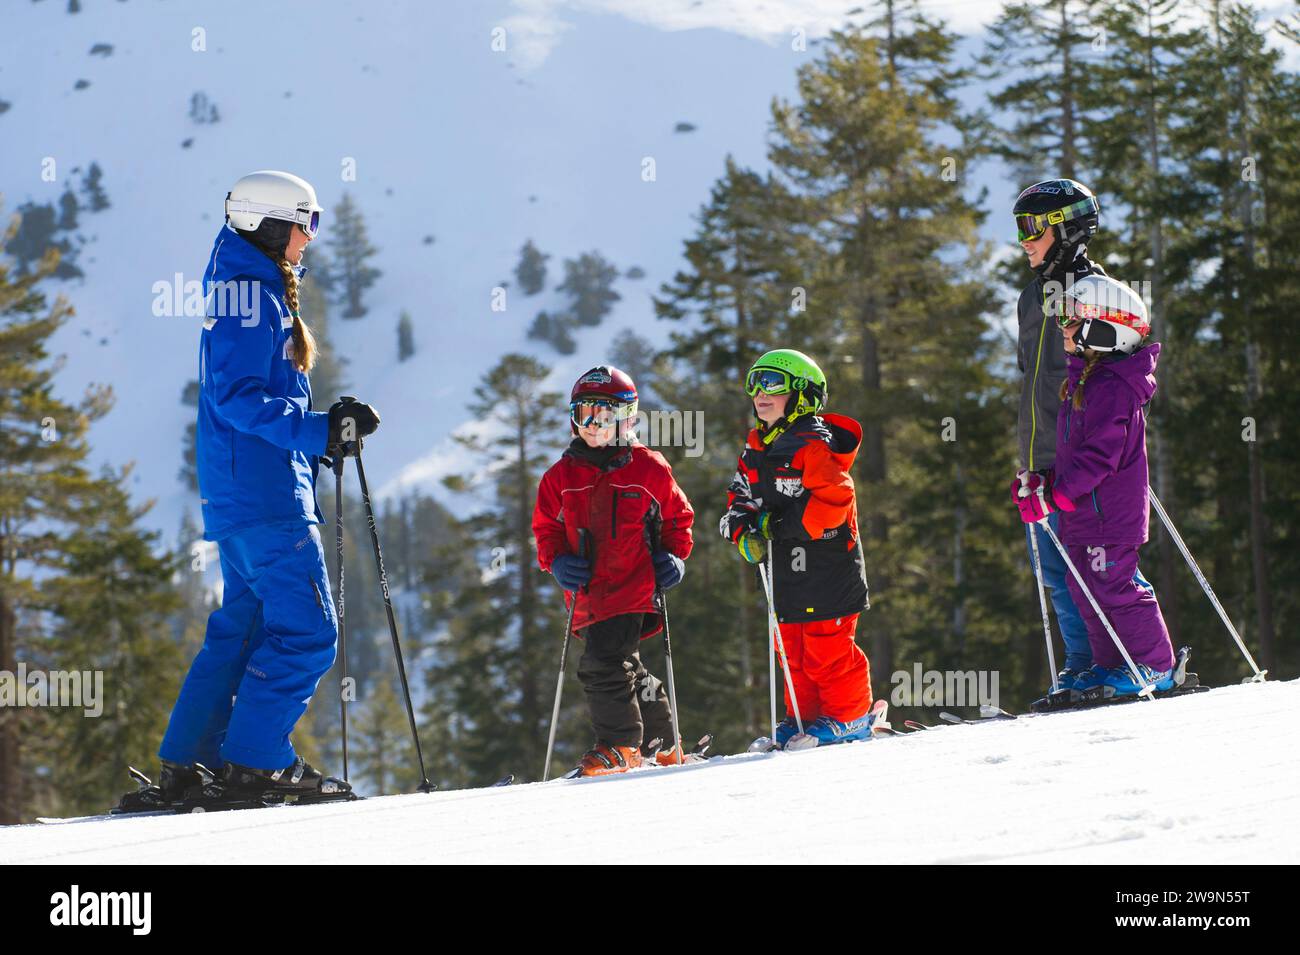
[628,706]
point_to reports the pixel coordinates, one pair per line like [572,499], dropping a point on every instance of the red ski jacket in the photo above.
[625,505]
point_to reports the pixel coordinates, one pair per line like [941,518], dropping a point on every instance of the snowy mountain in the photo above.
[1209,778]
[478,147]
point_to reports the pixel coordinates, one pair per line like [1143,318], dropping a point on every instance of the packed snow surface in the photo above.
[1207,778]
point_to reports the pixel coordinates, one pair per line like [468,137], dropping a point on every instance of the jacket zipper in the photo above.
[1097,507]
[613,516]
[1033,388]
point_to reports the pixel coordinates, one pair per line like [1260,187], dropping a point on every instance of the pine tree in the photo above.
[531,270]
[34,237]
[383,747]
[1241,271]
[43,481]
[1046,48]
[861,152]
[68,208]
[554,330]
[92,185]
[589,283]
[350,252]
[496,665]
[734,296]
[405,337]
[112,599]
[1140,161]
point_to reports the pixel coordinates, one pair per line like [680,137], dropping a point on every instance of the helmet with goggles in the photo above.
[1063,204]
[1112,317]
[786,371]
[603,396]
[269,193]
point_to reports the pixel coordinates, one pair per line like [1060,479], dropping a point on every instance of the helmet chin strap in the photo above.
[1064,251]
[770,433]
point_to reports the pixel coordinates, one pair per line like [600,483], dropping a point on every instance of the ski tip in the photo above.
[950,717]
[995,713]
[505,780]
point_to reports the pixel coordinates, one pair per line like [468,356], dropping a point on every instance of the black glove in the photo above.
[362,418]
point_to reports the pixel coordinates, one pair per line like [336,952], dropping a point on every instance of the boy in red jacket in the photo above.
[792,492]
[639,524]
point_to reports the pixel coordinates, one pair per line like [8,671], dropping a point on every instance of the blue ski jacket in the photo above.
[258,442]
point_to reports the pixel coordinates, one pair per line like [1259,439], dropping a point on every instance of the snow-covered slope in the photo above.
[1210,779]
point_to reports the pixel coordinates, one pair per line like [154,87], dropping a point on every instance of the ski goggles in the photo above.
[600,412]
[309,219]
[1076,311]
[1031,227]
[770,381]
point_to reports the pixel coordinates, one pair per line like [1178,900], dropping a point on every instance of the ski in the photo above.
[1066,700]
[988,714]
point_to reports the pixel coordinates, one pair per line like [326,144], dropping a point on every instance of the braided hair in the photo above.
[304,342]
[1094,358]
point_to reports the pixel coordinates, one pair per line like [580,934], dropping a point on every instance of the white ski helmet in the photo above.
[280,195]
[1114,317]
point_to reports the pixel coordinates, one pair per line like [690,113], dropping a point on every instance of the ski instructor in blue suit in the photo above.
[259,446]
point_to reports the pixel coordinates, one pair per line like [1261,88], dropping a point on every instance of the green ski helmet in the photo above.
[785,370]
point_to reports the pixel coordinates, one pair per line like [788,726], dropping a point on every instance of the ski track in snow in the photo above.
[1211,778]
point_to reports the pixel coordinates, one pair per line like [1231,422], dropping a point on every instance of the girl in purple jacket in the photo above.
[1100,481]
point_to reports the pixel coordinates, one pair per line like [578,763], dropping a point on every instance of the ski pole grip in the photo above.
[354,445]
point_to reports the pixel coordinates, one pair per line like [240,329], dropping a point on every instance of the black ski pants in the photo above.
[628,706]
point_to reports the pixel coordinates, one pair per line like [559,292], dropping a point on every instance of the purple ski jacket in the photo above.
[1101,451]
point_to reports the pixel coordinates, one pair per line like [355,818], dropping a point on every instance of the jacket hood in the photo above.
[1137,370]
[842,434]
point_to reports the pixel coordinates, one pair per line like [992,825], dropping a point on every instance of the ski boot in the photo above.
[825,731]
[1101,683]
[669,757]
[1065,694]
[177,782]
[604,760]
[785,731]
[298,783]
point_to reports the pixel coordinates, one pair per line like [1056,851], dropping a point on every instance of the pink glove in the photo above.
[1035,496]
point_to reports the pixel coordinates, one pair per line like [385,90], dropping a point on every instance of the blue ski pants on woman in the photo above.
[265,650]
[1074,633]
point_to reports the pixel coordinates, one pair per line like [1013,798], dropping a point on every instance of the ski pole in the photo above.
[1147,690]
[1259,676]
[425,785]
[771,665]
[668,651]
[1042,605]
[583,549]
[1042,597]
[339,459]
[775,626]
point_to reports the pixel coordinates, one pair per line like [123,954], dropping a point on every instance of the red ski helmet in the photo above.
[604,386]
